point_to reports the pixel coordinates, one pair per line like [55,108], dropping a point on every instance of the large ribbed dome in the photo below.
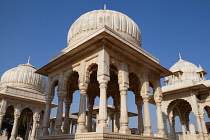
[188,72]
[24,77]
[92,21]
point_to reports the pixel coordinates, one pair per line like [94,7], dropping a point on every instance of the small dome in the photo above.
[184,66]
[24,77]
[183,71]
[92,21]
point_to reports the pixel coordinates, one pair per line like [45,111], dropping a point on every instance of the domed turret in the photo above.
[24,77]
[92,21]
[183,71]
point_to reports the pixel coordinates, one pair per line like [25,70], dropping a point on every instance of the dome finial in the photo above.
[29,60]
[104,6]
[180,57]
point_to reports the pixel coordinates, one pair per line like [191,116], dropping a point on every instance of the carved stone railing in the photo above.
[98,136]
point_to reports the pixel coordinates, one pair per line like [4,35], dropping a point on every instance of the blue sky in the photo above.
[38,28]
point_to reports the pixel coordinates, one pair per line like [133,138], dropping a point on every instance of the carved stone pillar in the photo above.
[59,115]
[82,108]
[124,111]
[160,123]
[116,121]
[187,124]
[158,99]
[2,111]
[90,112]
[172,130]
[196,112]
[205,133]
[145,91]
[200,131]
[47,115]
[183,127]
[102,120]
[14,128]
[66,118]
[70,127]
[35,120]
[1,119]
[165,125]
[140,120]
[29,120]
[40,123]
[147,120]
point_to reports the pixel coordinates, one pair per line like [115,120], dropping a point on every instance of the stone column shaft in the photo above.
[82,108]
[59,115]
[28,127]
[183,129]
[1,119]
[3,107]
[199,126]
[35,119]
[160,124]
[66,118]
[172,130]
[14,128]
[140,120]
[70,126]
[89,122]
[116,122]
[204,127]
[47,115]
[124,112]
[40,124]
[109,118]
[102,125]
[147,120]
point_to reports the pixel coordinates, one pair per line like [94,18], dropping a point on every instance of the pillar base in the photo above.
[45,132]
[161,135]
[12,138]
[148,133]
[58,130]
[81,129]
[125,130]
[66,132]
[205,135]
[102,128]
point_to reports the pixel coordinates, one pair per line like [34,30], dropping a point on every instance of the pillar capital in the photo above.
[197,114]
[67,101]
[49,98]
[202,116]
[145,98]
[123,87]
[61,94]
[158,100]
[103,79]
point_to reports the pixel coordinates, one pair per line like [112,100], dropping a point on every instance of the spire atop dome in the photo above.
[104,6]
[29,60]
[180,57]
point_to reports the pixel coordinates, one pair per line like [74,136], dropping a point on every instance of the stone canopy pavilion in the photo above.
[104,58]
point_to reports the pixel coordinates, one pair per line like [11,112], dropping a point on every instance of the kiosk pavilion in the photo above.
[104,58]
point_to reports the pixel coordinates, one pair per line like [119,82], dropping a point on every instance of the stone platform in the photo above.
[100,136]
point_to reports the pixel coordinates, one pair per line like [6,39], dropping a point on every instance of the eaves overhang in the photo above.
[112,36]
[184,88]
